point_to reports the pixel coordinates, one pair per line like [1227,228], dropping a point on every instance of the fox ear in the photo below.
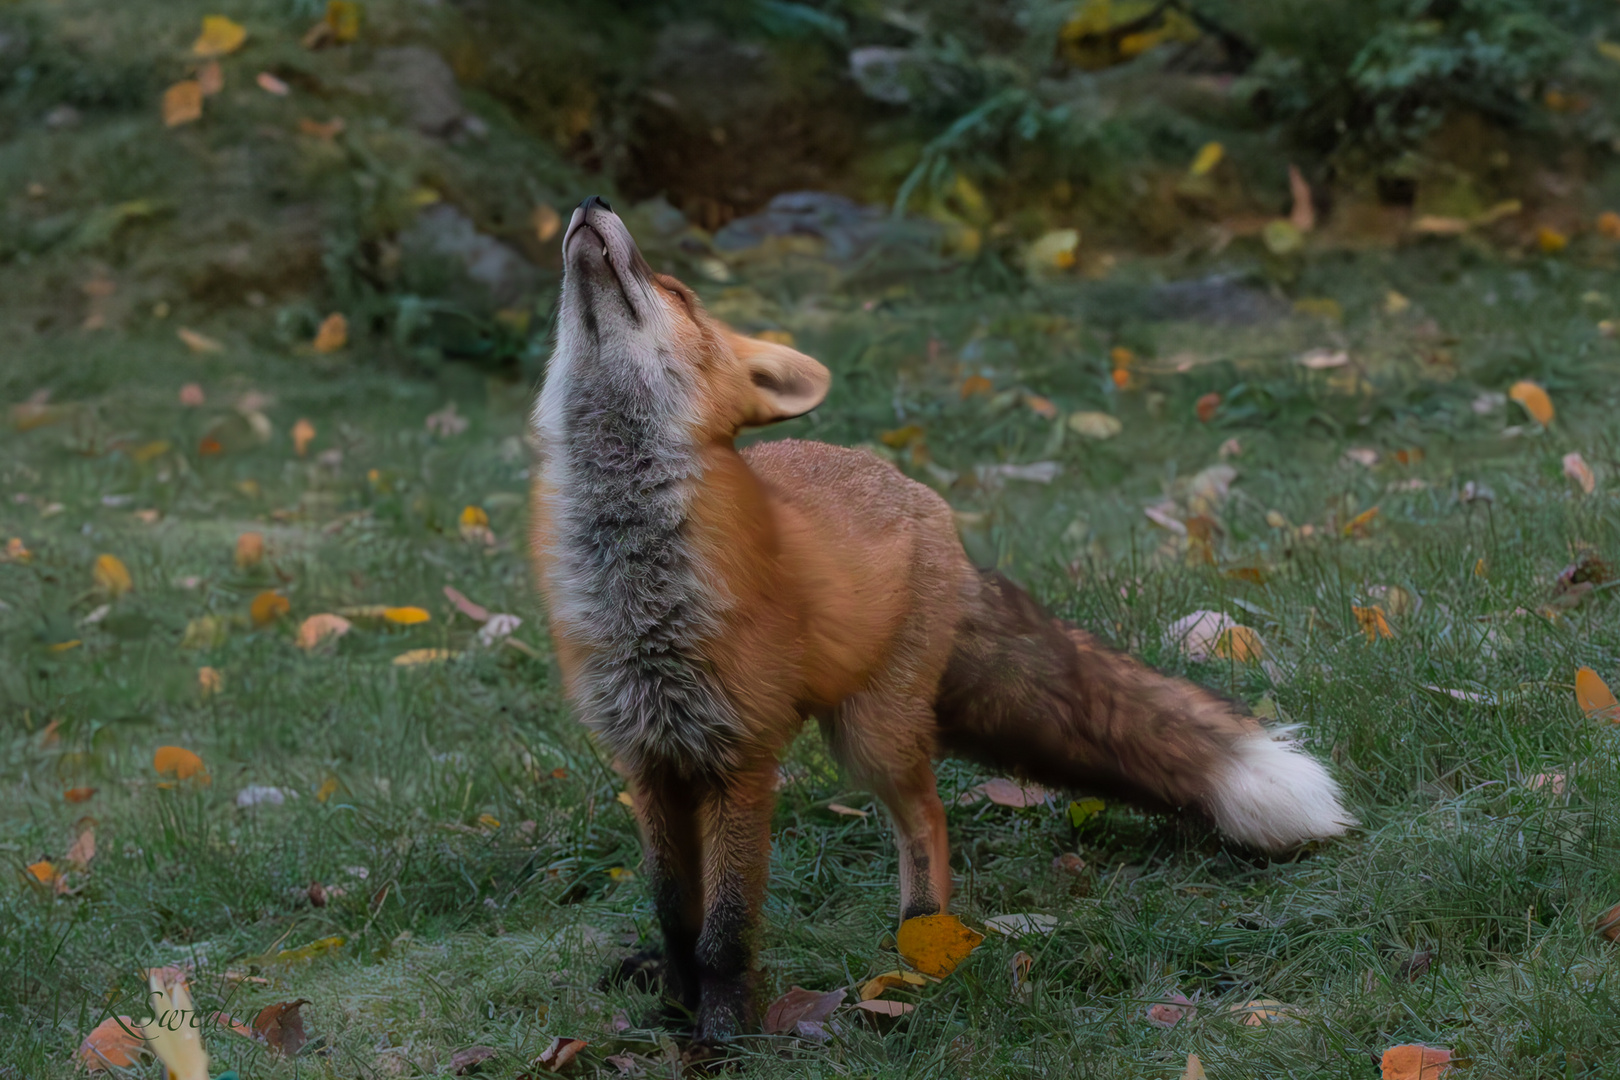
[785,383]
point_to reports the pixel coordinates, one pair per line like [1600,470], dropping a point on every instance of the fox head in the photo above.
[633,339]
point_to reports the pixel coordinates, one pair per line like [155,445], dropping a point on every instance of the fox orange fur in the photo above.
[705,601]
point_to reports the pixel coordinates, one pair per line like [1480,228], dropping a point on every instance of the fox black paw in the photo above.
[643,970]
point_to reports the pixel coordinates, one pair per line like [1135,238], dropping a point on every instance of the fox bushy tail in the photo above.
[1037,696]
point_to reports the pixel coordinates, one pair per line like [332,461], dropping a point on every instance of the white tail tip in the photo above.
[1276,796]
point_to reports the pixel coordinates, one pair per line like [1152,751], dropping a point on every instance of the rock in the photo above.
[420,81]
[442,233]
[1222,300]
[849,229]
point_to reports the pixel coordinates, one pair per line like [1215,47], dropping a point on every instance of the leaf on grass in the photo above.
[305,953]
[1259,1012]
[178,762]
[205,632]
[1207,406]
[179,1048]
[465,1062]
[971,386]
[1240,643]
[1195,1069]
[326,790]
[111,1044]
[231,1023]
[1594,697]
[1209,155]
[1358,525]
[798,1004]
[1303,214]
[197,343]
[1083,810]
[1372,622]
[446,422]
[1576,468]
[1324,359]
[249,550]
[303,433]
[890,980]
[1415,1062]
[1004,792]
[111,576]
[1550,240]
[43,871]
[1198,634]
[879,1007]
[267,607]
[84,848]
[1169,1013]
[499,628]
[272,85]
[319,628]
[406,616]
[1534,400]
[343,16]
[1022,965]
[475,612]
[847,811]
[1021,925]
[333,333]
[220,37]
[1041,406]
[211,77]
[1095,425]
[282,1026]
[902,437]
[936,944]
[413,657]
[559,1054]
[182,103]
[80,794]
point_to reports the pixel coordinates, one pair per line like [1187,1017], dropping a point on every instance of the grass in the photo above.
[474,839]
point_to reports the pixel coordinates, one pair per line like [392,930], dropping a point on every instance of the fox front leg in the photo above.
[737,857]
[667,809]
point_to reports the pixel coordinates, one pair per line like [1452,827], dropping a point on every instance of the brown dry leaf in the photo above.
[1535,401]
[267,607]
[1022,964]
[889,980]
[209,681]
[1303,214]
[559,1054]
[1069,863]
[1372,622]
[178,762]
[303,433]
[1358,525]
[1259,1012]
[1594,697]
[272,85]
[111,576]
[1041,406]
[319,628]
[1241,644]
[976,384]
[211,78]
[800,1005]
[191,395]
[847,811]
[546,222]
[1576,468]
[475,612]
[333,334]
[220,37]
[1169,1013]
[1195,1069]
[326,132]
[1004,792]
[249,550]
[84,848]
[1415,1062]
[111,1044]
[1207,406]
[197,343]
[80,794]
[879,1007]
[226,1020]
[467,1061]
[936,944]
[182,103]
[282,1026]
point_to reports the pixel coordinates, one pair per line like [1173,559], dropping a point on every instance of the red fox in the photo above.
[705,601]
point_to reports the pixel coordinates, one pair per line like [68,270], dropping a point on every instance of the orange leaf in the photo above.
[546,222]
[1372,622]
[1594,697]
[249,549]
[333,334]
[1241,644]
[976,384]
[1358,524]
[209,680]
[44,871]
[1207,406]
[84,848]
[178,762]
[267,607]
[559,1054]
[182,103]
[210,446]
[936,944]
[318,628]
[1414,1062]
[303,433]
[111,1044]
[211,78]
[80,794]
[282,1026]
[111,576]
[1608,224]
[1535,401]
[879,1007]
[1041,406]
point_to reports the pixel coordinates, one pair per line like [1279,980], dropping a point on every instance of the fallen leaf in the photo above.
[226,1020]
[1209,155]
[547,222]
[325,132]
[1083,810]
[305,953]
[1357,526]
[1303,214]
[1195,1069]
[220,37]
[1004,792]
[83,849]
[1069,863]
[179,1046]
[333,333]
[879,1007]
[281,1026]
[111,576]
[111,1044]
[267,607]
[413,657]
[326,790]
[1395,303]
[406,616]
[798,1004]
[1576,468]
[249,550]
[465,1062]
[272,85]
[178,762]
[1535,401]
[446,422]
[1550,240]
[43,871]
[343,16]
[1167,1014]
[1417,965]
[1372,622]
[936,944]
[197,343]
[1258,1012]
[847,811]
[902,437]
[1041,406]
[319,628]
[499,628]
[1594,697]
[890,980]
[1207,406]
[1198,634]
[1054,250]
[303,433]
[1022,964]
[1241,644]
[80,794]
[1095,425]
[182,103]
[473,611]
[1323,359]
[1415,1062]
[16,551]
[211,78]
[559,1054]
[1281,237]
[1021,925]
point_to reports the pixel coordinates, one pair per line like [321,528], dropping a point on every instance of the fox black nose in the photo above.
[596,201]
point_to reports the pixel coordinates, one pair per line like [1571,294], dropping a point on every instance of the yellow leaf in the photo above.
[877,984]
[1535,401]
[1550,240]
[249,549]
[406,616]
[1480,569]
[318,628]
[1083,810]
[182,103]
[885,1008]
[627,799]
[776,337]
[306,953]
[1594,697]
[1395,303]
[267,607]
[474,515]
[1372,622]
[333,334]
[111,576]
[1609,50]
[343,16]
[198,343]
[412,657]
[1209,156]
[178,762]
[150,451]
[1359,523]
[1095,425]
[220,37]
[900,438]
[328,787]
[64,646]
[490,821]
[936,944]
[209,680]
[1241,644]
[303,433]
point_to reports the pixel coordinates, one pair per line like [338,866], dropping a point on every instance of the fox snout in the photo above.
[604,271]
